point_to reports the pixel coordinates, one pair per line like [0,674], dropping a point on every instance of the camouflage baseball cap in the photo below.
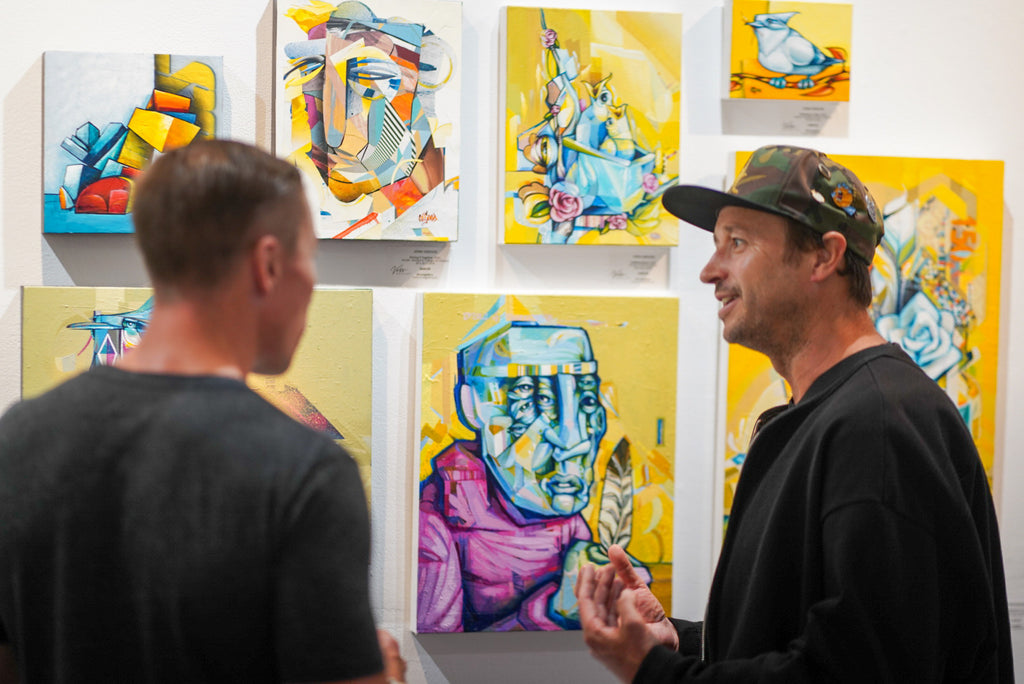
[794,182]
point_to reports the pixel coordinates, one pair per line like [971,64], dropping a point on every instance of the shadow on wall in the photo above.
[22,178]
[92,261]
[512,657]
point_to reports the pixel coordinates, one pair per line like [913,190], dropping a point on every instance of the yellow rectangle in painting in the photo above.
[66,330]
[790,50]
[591,120]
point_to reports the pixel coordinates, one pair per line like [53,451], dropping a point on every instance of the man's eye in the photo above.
[522,389]
[520,393]
[545,400]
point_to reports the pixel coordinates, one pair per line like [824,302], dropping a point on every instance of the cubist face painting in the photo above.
[531,393]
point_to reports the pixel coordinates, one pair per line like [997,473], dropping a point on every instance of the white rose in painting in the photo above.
[926,333]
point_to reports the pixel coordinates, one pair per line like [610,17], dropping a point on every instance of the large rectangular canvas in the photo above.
[367,107]
[547,434]
[66,330]
[790,50]
[591,125]
[106,116]
[936,283]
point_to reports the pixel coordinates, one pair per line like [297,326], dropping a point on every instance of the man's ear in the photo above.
[829,258]
[265,262]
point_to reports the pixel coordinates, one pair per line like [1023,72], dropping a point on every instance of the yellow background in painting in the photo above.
[331,366]
[607,42]
[969,189]
[634,343]
[824,24]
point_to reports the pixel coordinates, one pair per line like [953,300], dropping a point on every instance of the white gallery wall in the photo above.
[931,78]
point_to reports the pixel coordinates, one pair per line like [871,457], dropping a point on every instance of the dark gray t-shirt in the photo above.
[170,528]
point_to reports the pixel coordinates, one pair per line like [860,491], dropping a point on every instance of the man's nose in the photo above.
[570,435]
[712,271]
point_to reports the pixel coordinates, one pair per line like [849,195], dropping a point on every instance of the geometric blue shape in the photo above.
[88,133]
[75,147]
[184,116]
[78,176]
[113,132]
[111,169]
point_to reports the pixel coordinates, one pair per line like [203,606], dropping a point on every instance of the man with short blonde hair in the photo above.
[177,527]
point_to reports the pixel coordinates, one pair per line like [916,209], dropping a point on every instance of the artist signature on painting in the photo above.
[428,217]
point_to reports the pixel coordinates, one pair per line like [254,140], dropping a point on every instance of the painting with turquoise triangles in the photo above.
[106,116]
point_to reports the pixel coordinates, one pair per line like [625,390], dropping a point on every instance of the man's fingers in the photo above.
[590,596]
[627,609]
[388,645]
[587,609]
[620,561]
[584,583]
[602,592]
[613,597]
[394,664]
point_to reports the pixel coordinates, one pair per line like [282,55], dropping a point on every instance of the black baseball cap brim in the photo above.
[699,206]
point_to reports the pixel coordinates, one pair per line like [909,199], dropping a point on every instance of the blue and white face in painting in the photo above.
[533,396]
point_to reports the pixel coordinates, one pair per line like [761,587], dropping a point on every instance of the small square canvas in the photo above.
[106,116]
[936,280]
[66,330]
[790,50]
[591,121]
[367,107]
[546,436]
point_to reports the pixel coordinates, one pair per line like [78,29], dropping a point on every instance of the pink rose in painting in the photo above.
[617,222]
[564,207]
[650,183]
[548,38]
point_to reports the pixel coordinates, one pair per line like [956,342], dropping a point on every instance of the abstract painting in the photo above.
[106,116]
[66,330]
[591,122]
[547,435]
[936,284]
[790,50]
[367,107]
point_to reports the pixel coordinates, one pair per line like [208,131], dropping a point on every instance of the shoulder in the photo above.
[890,434]
[881,387]
[460,461]
[42,411]
[895,396]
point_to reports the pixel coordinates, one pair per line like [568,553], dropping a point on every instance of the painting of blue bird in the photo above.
[785,50]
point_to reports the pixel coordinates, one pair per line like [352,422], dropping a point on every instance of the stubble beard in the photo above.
[778,333]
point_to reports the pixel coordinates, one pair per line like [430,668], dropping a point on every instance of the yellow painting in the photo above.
[591,119]
[936,283]
[547,433]
[367,104]
[790,50]
[67,330]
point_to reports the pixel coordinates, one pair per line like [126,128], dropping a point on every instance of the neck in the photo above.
[826,343]
[195,336]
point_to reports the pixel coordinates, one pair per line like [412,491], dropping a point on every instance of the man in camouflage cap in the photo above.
[862,543]
[796,183]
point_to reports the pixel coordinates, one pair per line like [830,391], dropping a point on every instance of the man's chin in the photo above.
[567,505]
